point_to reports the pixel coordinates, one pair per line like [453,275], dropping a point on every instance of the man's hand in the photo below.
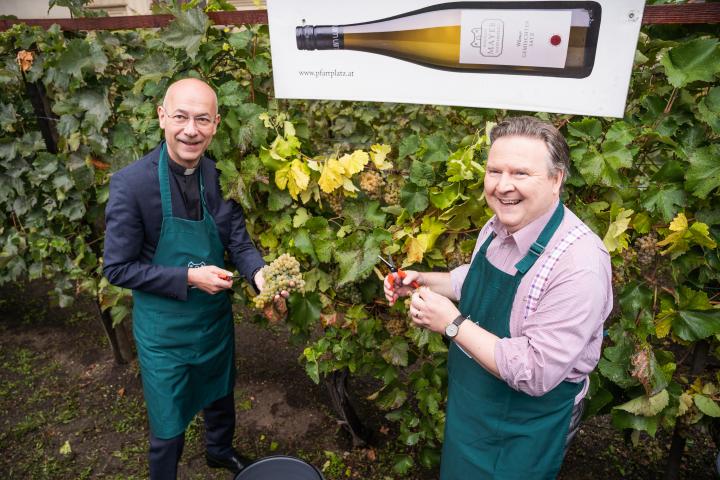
[260,284]
[210,279]
[431,310]
[401,287]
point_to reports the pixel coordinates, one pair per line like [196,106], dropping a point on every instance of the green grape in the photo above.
[282,274]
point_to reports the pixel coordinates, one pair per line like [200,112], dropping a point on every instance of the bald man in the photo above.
[167,232]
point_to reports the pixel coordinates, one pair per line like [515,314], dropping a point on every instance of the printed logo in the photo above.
[195,265]
[489,37]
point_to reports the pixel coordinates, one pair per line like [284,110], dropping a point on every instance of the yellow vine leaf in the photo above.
[415,248]
[679,241]
[331,176]
[663,323]
[686,401]
[378,154]
[354,162]
[295,176]
[616,237]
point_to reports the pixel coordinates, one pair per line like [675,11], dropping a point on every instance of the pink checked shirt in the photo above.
[556,332]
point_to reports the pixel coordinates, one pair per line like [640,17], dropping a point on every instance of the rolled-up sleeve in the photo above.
[567,322]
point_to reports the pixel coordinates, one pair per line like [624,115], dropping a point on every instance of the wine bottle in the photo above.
[549,38]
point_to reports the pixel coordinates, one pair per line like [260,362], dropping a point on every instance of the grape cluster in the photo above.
[282,274]
[396,325]
[647,249]
[335,201]
[391,195]
[371,182]
[618,277]
[349,293]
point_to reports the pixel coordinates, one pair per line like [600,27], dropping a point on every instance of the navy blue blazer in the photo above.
[133,217]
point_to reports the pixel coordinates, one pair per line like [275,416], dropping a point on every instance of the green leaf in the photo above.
[240,40]
[392,399]
[403,464]
[695,60]
[186,31]
[408,146]
[587,129]
[154,63]
[707,405]
[231,94]
[645,405]
[357,254]
[258,66]
[96,107]
[436,148]
[304,310]
[75,57]
[667,201]
[703,176]
[622,420]
[395,351]
[421,173]
[694,325]
[709,109]
[413,198]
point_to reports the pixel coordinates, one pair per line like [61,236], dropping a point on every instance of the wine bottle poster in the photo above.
[569,56]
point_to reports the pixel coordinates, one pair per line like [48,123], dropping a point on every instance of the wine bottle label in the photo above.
[530,38]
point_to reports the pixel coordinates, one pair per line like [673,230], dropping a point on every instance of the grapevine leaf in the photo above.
[258,66]
[155,63]
[436,149]
[691,61]
[295,176]
[355,162]
[707,405]
[645,405]
[392,399]
[587,129]
[231,94]
[709,109]
[304,310]
[403,464]
[442,199]
[408,146]
[665,200]
[703,176]
[415,248]
[378,155]
[413,198]
[357,254]
[395,351]
[693,325]
[186,31]
[240,40]
[625,420]
[332,176]
[75,57]
[616,237]
[96,107]
[689,299]
[421,173]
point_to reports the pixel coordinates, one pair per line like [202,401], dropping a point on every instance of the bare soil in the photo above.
[67,411]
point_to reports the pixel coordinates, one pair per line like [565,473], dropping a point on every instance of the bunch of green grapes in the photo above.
[646,249]
[371,182]
[282,274]
[349,293]
[335,200]
[391,195]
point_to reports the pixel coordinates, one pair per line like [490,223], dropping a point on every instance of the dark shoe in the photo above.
[235,462]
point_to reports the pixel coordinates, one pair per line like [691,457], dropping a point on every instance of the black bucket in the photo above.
[279,467]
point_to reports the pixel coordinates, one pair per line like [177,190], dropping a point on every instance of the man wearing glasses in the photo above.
[167,231]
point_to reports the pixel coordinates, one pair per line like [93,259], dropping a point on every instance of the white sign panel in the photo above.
[536,55]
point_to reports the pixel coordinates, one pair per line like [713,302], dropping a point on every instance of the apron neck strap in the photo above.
[484,247]
[164,182]
[538,247]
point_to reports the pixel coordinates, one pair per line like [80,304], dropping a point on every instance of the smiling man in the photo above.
[528,328]
[167,232]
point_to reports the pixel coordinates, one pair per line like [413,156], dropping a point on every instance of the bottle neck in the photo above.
[322,37]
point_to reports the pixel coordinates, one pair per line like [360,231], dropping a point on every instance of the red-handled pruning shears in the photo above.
[400,273]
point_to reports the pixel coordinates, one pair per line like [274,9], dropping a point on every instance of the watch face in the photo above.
[451,330]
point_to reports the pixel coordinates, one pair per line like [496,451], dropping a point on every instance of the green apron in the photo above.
[185,348]
[493,431]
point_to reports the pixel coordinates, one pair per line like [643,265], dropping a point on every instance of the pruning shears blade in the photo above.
[389,263]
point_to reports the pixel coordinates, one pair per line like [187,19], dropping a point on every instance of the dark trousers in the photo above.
[575,421]
[219,430]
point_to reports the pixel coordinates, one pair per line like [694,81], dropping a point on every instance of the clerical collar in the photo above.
[180,170]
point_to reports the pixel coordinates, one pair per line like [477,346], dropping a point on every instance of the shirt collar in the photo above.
[180,170]
[527,235]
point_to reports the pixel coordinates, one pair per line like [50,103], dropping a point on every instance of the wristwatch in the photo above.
[452,329]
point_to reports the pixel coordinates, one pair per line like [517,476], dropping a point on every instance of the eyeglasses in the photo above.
[180,120]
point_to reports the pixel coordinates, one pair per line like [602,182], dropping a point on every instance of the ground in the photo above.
[67,411]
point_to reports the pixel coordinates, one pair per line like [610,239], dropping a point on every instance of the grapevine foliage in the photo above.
[335,184]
